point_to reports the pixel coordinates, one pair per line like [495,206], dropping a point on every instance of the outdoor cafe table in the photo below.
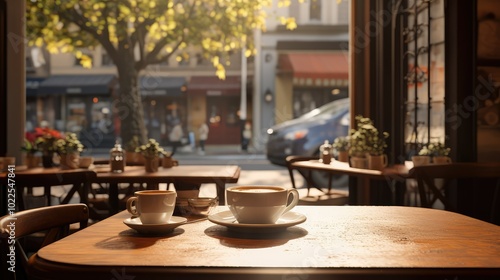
[335,242]
[393,173]
[195,174]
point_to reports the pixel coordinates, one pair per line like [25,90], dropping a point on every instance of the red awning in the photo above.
[316,65]
[213,86]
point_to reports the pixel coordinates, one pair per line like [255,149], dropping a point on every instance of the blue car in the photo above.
[303,136]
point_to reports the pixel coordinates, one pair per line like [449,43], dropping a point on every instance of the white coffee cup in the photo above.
[260,204]
[152,206]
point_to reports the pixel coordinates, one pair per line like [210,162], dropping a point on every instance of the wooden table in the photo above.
[398,172]
[48,178]
[196,174]
[335,242]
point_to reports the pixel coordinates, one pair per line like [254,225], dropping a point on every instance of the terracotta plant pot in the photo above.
[169,162]
[32,161]
[420,160]
[377,162]
[70,161]
[343,156]
[359,162]
[441,159]
[152,164]
[134,158]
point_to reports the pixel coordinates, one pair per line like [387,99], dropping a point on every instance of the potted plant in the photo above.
[69,149]
[439,152]
[423,157]
[367,145]
[151,151]
[30,149]
[44,140]
[341,144]
[132,156]
[376,142]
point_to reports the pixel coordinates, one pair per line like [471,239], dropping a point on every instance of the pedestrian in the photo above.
[175,136]
[246,136]
[203,135]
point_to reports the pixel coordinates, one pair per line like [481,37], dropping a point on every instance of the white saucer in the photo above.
[135,223]
[227,219]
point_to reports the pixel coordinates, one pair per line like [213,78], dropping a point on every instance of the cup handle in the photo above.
[295,200]
[132,206]
[175,162]
[385,160]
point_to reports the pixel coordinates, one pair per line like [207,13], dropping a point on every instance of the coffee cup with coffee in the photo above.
[260,204]
[152,206]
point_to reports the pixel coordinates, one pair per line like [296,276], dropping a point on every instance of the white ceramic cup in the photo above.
[260,204]
[152,206]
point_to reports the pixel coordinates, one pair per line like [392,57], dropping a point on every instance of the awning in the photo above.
[162,86]
[213,86]
[32,85]
[316,69]
[77,84]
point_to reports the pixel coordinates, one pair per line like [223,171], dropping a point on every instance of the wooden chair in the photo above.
[339,198]
[54,221]
[81,180]
[482,181]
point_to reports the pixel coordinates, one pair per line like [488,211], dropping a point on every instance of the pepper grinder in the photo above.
[117,159]
[325,152]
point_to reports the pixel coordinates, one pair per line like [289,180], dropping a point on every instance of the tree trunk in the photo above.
[129,106]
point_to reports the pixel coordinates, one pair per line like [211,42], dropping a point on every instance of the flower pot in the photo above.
[441,159]
[377,162]
[343,156]
[134,158]
[359,162]
[70,161]
[32,161]
[169,162]
[420,160]
[151,164]
[47,160]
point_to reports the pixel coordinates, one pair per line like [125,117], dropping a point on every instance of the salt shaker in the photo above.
[325,152]
[117,159]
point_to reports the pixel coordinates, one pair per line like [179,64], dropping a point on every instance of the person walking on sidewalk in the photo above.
[203,135]
[175,136]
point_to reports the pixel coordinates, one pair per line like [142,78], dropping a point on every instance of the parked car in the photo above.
[303,135]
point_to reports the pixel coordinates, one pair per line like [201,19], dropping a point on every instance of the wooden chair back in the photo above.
[459,173]
[81,179]
[53,220]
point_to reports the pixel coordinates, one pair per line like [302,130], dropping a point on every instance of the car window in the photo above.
[331,108]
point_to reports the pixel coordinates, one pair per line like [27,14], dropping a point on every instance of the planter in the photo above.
[420,160]
[377,162]
[70,161]
[169,162]
[441,159]
[48,160]
[134,158]
[343,156]
[32,161]
[152,164]
[359,162]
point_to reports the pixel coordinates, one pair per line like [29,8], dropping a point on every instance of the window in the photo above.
[315,10]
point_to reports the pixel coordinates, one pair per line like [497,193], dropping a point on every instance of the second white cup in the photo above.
[152,206]
[260,204]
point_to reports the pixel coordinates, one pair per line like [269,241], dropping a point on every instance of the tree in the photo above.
[138,33]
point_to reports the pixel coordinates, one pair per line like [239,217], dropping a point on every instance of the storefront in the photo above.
[217,103]
[314,79]
[165,104]
[83,105]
